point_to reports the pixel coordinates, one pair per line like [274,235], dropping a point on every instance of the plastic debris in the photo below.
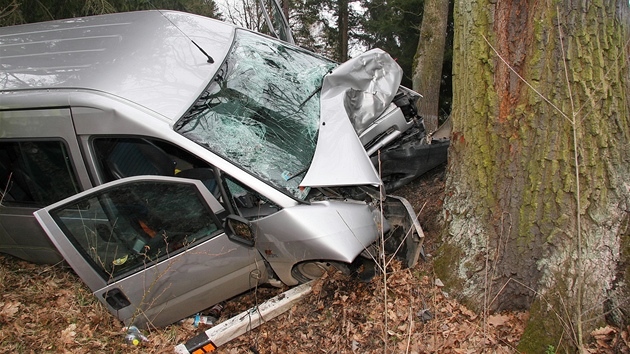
[133,335]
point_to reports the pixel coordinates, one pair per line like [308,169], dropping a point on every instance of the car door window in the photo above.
[36,172]
[119,157]
[247,202]
[120,230]
[126,156]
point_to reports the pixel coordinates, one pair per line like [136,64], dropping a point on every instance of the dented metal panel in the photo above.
[330,230]
[364,86]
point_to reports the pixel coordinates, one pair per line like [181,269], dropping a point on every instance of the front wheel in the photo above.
[307,271]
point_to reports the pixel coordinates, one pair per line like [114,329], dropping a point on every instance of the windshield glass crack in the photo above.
[258,111]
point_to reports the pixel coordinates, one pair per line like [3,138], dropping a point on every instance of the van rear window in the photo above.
[35,172]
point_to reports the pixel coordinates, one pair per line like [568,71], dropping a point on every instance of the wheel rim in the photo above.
[312,270]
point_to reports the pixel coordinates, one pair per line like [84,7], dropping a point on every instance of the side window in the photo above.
[36,172]
[120,157]
[247,202]
[126,157]
[134,225]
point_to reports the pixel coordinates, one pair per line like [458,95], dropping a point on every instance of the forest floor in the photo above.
[48,309]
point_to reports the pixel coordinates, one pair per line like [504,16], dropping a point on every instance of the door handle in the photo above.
[116,299]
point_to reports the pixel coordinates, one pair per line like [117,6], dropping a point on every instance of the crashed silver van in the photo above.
[174,161]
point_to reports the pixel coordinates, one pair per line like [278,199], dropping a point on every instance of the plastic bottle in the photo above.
[207,320]
[215,311]
[134,336]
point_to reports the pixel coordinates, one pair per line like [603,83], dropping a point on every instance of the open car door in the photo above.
[151,248]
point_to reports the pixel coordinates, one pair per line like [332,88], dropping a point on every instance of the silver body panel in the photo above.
[20,234]
[364,86]
[333,231]
[174,287]
[131,77]
[163,72]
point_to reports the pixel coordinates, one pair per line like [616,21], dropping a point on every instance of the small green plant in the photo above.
[550,349]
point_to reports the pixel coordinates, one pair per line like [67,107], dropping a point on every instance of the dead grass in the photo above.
[47,309]
[343,316]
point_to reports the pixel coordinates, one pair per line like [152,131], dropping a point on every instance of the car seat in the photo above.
[139,157]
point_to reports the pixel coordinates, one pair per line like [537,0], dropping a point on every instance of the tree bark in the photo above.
[537,200]
[342,24]
[285,9]
[427,69]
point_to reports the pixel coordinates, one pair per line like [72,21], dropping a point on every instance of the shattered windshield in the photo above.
[261,110]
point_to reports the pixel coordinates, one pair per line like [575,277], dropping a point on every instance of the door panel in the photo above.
[151,248]
[22,237]
[40,163]
[46,124]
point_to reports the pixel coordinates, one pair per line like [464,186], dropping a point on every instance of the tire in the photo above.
[307,271]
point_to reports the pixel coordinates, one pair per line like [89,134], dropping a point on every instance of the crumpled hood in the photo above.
[353,95]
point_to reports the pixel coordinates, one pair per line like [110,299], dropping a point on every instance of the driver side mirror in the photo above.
[239,229]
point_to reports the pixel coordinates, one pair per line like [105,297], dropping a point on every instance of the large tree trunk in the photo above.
[427,70]
[537,200]
[342,24]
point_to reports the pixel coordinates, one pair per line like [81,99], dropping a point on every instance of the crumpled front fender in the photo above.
[353,95]
[326,230]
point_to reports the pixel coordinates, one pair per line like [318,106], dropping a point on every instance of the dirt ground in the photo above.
[47,309]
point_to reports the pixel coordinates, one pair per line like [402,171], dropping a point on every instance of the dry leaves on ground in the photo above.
[47,309]
[345,316]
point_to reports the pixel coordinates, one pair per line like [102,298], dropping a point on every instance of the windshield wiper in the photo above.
[289,176]
[319,88]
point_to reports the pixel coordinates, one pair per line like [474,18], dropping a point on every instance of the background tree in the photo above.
[304,21]
[392,25]
[325,26]
[537,197]
[343,18]
[340,28]
[10,13]
[206,8]
[245,13]
[427,69]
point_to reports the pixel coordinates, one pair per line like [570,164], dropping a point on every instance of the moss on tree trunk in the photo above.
[521,135]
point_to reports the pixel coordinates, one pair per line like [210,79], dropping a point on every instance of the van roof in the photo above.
[145,57]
